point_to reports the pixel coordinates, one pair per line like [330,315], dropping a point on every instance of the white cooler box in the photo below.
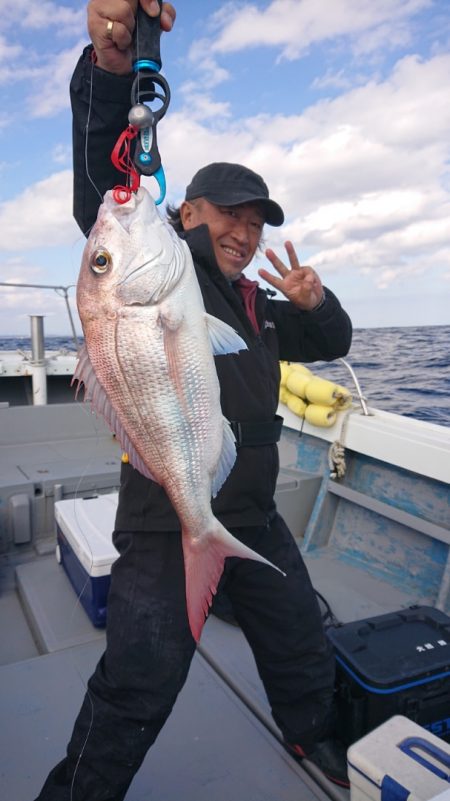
[399,761]
[84,535]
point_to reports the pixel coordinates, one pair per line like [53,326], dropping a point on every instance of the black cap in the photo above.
[231,184]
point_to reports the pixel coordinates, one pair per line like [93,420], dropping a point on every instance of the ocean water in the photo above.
[401,370]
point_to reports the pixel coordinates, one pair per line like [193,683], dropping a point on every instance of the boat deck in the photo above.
[374,542]
[225,743]
[52,648]
[212,746]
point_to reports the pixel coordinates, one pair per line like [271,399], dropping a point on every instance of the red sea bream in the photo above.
[149,370]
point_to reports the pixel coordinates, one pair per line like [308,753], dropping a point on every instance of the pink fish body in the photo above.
[149,370]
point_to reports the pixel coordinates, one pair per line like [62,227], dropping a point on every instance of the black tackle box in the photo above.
[393,664]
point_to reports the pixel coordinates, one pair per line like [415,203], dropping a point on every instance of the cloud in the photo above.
[47,80]
[40,216]
[200,55]
[362,174]
[361,177]
[201,105]
[293,26]
[28,54]
[357,29]
[50,83]
[19,303]
[29,15]
[62,154]
[8,51]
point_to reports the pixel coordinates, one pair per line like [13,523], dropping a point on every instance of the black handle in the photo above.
[146,41]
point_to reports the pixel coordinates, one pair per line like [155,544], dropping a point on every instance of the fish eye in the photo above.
[100,261]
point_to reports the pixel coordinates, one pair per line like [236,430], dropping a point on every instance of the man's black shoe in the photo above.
[330,756]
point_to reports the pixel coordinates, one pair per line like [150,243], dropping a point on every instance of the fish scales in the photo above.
[148,366]
[181,422]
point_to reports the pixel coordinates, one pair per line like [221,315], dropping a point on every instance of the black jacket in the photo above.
[249,380]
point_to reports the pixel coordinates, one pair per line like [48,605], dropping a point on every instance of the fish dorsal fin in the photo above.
[227,458]
[99,401]
[222,337]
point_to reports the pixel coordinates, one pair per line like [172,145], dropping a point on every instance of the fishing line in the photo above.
[80,756]
[77,604]
[86,139]
[138,55]
[85,410]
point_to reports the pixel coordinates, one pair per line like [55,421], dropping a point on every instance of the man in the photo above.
[149,643]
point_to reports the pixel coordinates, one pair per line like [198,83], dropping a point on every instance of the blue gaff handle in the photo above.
[410,743]
[161,180]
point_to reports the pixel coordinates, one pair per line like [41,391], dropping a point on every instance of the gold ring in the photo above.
[109,29]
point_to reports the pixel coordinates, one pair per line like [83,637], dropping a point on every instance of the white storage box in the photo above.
[295,496]
[399,761]
[84,535]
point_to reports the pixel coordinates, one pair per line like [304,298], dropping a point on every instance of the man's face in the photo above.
[235,231]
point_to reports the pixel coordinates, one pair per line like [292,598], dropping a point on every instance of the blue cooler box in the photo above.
[399,761]
[84,547]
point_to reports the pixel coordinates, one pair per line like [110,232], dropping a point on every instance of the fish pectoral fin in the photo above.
[204,559]
[222,337]
[171,316]
[227,458]
[95,395]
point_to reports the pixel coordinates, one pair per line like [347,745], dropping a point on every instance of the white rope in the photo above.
[336,460]
[336,451]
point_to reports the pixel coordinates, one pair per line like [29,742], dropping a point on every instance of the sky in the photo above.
[341,105]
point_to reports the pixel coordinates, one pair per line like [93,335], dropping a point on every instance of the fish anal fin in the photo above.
[222,337]
[204,559]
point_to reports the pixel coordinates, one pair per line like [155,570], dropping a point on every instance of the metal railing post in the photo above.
[38,369]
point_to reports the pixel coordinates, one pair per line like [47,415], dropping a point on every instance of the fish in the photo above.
[148,368]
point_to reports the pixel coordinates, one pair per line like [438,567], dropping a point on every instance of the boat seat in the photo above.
[54,452]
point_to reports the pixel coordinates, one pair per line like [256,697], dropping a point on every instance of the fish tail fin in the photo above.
[204,559]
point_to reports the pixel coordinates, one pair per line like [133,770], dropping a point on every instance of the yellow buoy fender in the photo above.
[311,397]
[321,391]
[284,394]
[297,383]
[300,368]
[285,370]
[318,415]
[296,405]
[344,399]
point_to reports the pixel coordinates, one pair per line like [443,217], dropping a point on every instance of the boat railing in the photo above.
[37,340]
[62,291]
[359,396]
[37,360]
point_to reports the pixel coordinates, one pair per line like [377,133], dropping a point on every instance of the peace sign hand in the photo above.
[301,285]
